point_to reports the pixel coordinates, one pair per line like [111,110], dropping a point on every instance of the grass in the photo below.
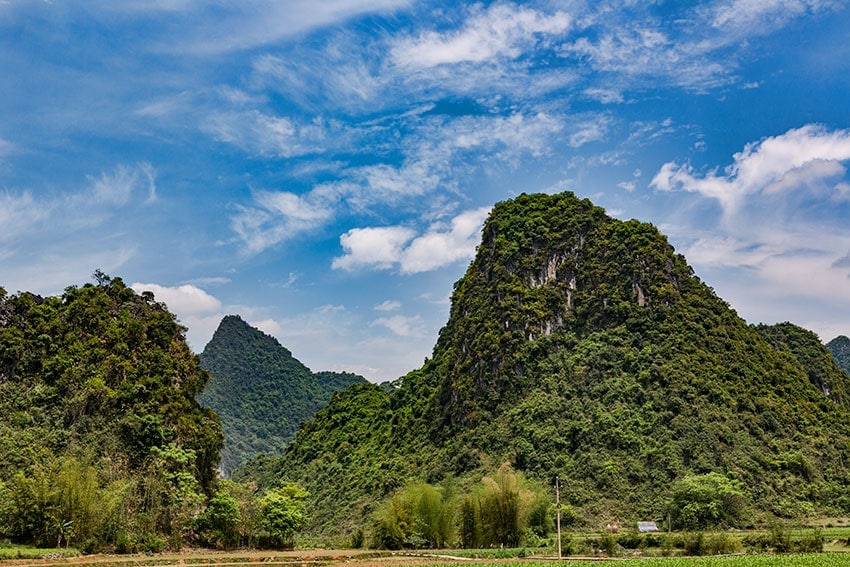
[9,551]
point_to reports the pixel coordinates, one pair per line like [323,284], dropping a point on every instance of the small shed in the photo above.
[644,527]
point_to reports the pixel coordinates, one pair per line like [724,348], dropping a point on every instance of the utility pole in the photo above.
[558,517]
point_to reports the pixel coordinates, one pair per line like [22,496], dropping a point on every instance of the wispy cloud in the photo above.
[502,30]
[274,136]
[760,16]
[401,325]
[23,214]
[278,215]
[205,29]
[388,305]
[632,52]
[437,153]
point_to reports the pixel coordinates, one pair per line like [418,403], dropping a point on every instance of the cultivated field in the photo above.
[363,558]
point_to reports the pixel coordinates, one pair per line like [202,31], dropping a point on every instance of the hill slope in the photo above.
[840,349]
[582,346]
[260,392]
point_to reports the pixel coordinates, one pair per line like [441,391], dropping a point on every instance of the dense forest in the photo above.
[260,391]
[584,347]
[103,444]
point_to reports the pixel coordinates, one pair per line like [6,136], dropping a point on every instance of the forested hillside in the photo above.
[840,349]
[260,391]
[584,347]
[102,441]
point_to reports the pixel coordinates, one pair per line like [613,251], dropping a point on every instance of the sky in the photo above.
[323,169]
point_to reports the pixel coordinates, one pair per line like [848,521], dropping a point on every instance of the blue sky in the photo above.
[323,168]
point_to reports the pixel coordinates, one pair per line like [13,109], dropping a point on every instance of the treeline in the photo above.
[103,444]
[505,509]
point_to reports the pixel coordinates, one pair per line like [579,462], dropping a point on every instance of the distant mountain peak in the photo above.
[260,391]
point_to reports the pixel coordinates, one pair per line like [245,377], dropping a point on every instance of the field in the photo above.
[584,549]
[349,558]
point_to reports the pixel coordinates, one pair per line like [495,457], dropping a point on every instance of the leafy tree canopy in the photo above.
[97,397]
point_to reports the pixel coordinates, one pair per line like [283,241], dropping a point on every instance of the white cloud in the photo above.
[199,311]
[780,239]
[268,326]
[375,247]
[400,325]
[502,30]
[384,248]
[801,158]
[445,245]
[388,305]
[184,300]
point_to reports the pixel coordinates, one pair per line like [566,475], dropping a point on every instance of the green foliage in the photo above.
[839,347]
[504,503]
[282,514]
[102,438]
[218,522]
[719,543]
[417,516]
[260,392]
[821,365]
[707,501]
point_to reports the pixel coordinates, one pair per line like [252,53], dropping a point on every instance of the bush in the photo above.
[714,544]
[810,543]
[708,500]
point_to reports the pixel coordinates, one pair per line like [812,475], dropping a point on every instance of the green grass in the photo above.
[9,551]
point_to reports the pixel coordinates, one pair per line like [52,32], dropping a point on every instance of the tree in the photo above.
[218,523]
[282,514]
[709,500]
[419,515]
